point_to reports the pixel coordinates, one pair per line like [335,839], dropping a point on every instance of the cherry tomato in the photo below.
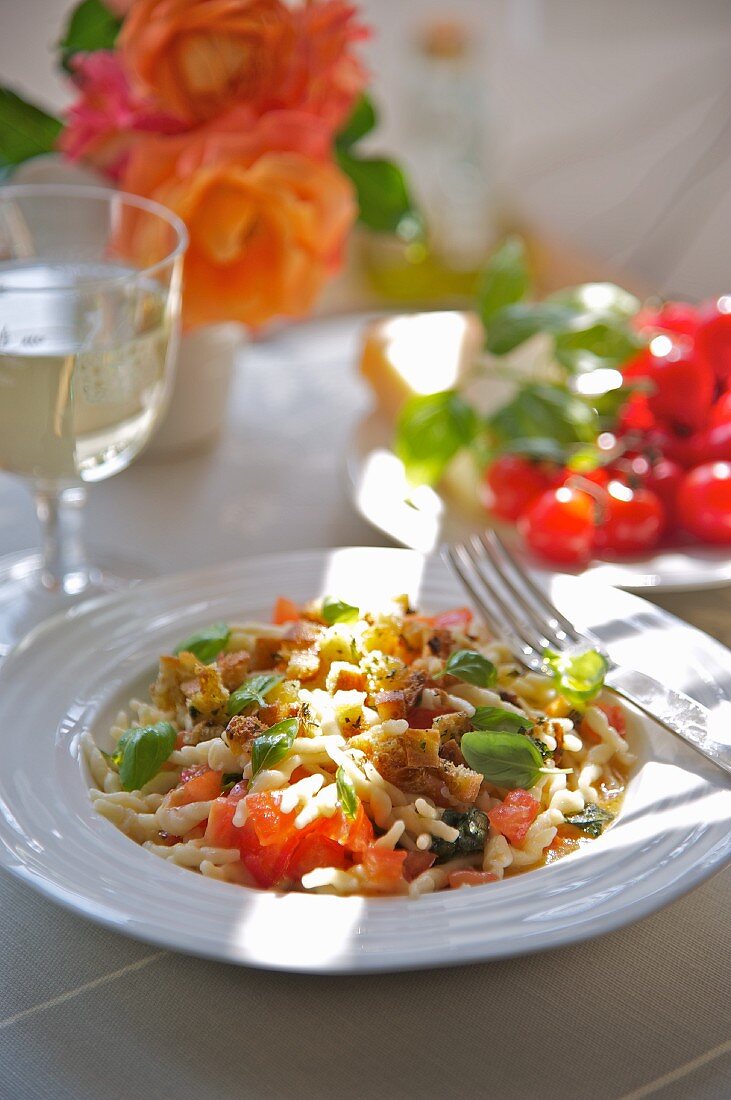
[721,411]
[636,414]
[633,520]
[683,384]
[664,481]
[559,526]
[712,444]
[678,317]
[713,340]
[511,484]
[677,447]
[704,502]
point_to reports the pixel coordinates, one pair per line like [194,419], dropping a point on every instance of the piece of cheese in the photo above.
[418,353]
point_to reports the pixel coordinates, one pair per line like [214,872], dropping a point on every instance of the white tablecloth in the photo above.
[89,1015]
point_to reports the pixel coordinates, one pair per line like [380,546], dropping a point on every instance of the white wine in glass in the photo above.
[87,344]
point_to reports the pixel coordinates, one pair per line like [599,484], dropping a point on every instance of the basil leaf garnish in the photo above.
[206,644]
[271,747]
[347,797]
[591,820]
[252,692]
[579,677]
[472,667]
[431,429]
[499,720]
[504,281]
[141,752]
[506,759]
[337,611]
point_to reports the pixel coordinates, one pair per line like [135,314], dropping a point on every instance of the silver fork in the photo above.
[516,609]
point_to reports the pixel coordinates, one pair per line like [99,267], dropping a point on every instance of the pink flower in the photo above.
[106,120]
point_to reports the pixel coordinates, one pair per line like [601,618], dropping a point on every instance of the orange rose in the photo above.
[267,212]
[197,56]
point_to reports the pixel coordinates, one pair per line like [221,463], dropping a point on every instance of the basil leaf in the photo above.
[578,677]
[337,611]
[598,343]
[472,827]
[545,412]
[141,752]
[252,692]
[591,820]
[362,120]
[542,748]
[514,324]
[91,26]
[431,429]
[505,759]
[25,130]
[499,720]
[598,298]
[385,203]
[540,448]
[206,644]
[472,667]
[504,281]
[271,747]
[347,797]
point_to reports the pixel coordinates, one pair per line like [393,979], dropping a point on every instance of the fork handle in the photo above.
[677,712]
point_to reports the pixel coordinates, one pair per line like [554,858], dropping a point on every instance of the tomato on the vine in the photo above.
[559,526]
[512,483]
[664,481]
[632,520]
[684,385]
[713,340]
[721,411]
[711,444]
[704,502]
[677,317]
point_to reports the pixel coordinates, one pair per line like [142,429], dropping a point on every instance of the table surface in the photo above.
[89,1015]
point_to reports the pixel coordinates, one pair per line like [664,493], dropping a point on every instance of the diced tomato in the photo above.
[361,831]
[220,830]
[354,835]
[299,773]
[515,815]
[459,618]
[384,866]
[271,825]
[238,791]
[268,864]
[196,833]
[470,878]
[285,611]
[615,717]
[416,863]
[316,851]
[421,718]
[198,785]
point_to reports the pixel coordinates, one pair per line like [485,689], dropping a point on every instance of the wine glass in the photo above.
[90,283]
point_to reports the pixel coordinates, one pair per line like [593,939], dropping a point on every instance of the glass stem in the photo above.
[64,567]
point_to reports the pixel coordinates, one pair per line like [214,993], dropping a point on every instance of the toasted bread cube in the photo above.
[302,635]
[390,705]
[233,668]
[452,726]
[288,691]
[348,707]
[266,653]
[344,676]
[241,730]
[303,664]
[463,784]
[277,712]
[336,644]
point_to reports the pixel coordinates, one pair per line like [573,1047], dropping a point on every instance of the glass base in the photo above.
[28,598]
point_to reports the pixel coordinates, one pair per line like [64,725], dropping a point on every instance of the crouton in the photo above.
[302,635]
[452,725]
[411,762]
[186,680]
[233,668]
[303,664]
[450,750]
[439,643]
[241,731]
[345,677]
[277,712]
[390,705]
[266,653]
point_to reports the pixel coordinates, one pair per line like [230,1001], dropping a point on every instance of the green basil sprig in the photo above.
[504,281]
[271,747]
[347,797]
[337,611]
[141,752]
[591,820]
[431,429]
[579,677]
[506,759]
[499,720]
[252,692]
[472,667]
[206,644]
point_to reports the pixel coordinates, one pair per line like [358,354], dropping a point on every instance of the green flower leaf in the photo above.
[337,611]
[472,667]
[272,746]
[206,644]
[431,429]
[363,118]
[385,203]
[499,720]
[25,130]
[607,344]
[347,797]
[578,677]
[141,752]
[91,26]
[506,759]
[514,324]
[544,412]
[504,281]
[252,692]
[591,820]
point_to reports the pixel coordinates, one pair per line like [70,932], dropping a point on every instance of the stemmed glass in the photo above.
[90,283]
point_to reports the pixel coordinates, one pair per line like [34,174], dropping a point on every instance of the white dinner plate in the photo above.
[74,673]
[425,518]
